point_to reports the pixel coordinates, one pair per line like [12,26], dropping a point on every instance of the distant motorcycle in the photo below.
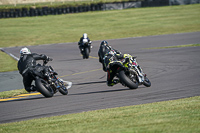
[85,48]
[129,73]
[49,88]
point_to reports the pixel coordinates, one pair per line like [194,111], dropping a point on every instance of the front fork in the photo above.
[140,74]
[83,48]
[136,70]
[57,84]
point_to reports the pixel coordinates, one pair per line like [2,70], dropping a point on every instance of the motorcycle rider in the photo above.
[103,50]
[83,40]
[107,56]
[26,62]
[115,57]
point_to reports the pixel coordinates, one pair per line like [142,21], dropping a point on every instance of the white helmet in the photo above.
[84,35]
[25,51]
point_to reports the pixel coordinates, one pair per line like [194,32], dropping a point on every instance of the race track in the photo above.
[173,72]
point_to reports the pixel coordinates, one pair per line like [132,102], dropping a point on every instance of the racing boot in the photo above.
[114,82]
[33,88]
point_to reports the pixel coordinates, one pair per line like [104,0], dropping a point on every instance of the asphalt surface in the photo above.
[173,72]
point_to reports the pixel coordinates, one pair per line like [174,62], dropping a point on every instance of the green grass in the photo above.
[177,116]
[61,3]
[99,25]
[6,94]
[178,46]
[7,63]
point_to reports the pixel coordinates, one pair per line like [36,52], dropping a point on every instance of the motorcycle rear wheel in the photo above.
[127,81]
[44,88]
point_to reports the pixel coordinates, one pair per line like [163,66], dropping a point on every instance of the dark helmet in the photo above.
[104,43]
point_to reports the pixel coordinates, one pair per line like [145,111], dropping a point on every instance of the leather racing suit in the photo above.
[26,62]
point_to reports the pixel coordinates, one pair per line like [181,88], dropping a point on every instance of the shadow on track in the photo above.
[71,59]
[95,92]
[96,82]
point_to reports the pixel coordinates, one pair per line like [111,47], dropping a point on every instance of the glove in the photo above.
[119,56]
[48,59]
[126,60]
[45,61]
[134,57]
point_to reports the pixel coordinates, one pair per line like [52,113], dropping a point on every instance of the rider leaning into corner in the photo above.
[103,50]
[83,40]
[107,56]
[28,60]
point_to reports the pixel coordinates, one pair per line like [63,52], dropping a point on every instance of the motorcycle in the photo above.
[130,74]
[49,88]
[85,48]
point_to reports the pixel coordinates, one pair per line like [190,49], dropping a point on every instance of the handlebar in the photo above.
[46,61]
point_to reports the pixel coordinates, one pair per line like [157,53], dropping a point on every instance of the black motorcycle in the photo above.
[85,49]
[130,74]
[48,86]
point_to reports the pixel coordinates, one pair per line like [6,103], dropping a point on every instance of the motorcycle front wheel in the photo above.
[127,81]
[63,90]
[87,53]
[44,88]
[146,82]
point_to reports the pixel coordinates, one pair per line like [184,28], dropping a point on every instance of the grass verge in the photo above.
[180,116]
[99,25]
[6,94]
[7,63]
[60,3]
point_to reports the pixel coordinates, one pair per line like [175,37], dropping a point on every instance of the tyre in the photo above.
[146,82]
[63,90]
[127,81]
[86,53]
[44,88]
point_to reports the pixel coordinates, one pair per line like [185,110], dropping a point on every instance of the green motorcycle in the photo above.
[128,71]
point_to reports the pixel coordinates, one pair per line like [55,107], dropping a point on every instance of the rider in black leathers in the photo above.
[82,41]
[103,50]
[107,55]
[26,62]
